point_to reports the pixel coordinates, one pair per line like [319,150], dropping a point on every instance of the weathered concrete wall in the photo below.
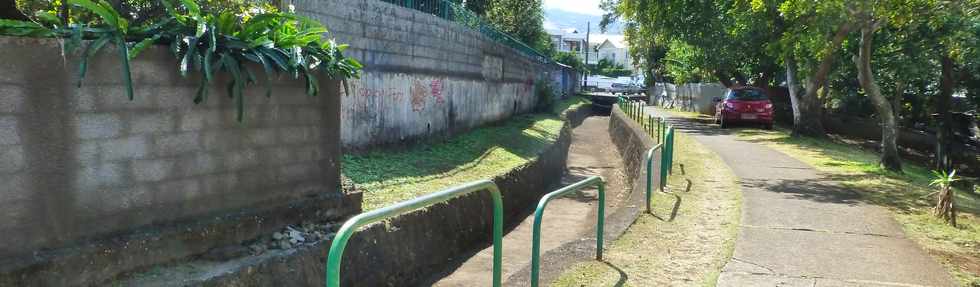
[425,76]
[633,142]
[83,163]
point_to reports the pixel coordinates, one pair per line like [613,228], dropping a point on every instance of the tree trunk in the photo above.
[724,78]
[889,126]
[945,208]
[944,119]
[652,89]
[740,79]
[809,123]
[794,91]
[898,97]
[8,10]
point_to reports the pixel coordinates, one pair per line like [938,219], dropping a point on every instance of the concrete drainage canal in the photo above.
[445,239]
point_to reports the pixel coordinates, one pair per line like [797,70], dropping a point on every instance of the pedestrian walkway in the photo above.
[801,228]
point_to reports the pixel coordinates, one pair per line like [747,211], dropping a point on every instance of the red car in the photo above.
[744,105]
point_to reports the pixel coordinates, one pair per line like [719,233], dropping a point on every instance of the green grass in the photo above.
[390,176]
[689,249]
[907,194]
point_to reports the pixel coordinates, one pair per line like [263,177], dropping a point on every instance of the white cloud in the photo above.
[548,25]
[590,7]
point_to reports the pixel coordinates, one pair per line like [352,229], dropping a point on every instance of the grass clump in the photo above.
[687,240]
[390,176]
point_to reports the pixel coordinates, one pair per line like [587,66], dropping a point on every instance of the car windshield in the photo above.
[747,95]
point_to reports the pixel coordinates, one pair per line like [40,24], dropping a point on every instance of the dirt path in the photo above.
[799,228]
[566,219]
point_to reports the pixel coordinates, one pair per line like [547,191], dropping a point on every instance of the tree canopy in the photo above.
[866,58]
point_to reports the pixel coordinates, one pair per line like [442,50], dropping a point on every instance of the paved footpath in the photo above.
[799,228]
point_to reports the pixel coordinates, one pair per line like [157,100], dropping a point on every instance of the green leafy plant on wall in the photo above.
[209,43]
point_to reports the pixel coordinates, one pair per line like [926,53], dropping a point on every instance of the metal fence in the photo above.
[453,10]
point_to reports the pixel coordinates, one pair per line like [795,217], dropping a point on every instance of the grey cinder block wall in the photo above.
[425,76]
[79,163]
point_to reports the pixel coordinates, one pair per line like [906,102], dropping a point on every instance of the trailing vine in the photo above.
[278,42]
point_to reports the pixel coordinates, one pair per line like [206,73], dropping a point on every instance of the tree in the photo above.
[956,24]
[609,68]
[522,19]
[814,32]
[8,10]
[889,125]
[570,59]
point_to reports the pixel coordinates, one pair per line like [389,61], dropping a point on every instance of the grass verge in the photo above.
[389,176]
[688,239]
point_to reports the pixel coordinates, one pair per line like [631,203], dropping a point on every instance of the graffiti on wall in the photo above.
[436,90]
[420,93]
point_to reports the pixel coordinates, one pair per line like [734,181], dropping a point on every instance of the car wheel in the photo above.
[769,126]
[723,122]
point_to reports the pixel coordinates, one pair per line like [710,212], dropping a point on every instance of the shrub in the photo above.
[279,42]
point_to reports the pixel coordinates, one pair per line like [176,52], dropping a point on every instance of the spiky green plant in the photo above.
[279,42]
[945,207]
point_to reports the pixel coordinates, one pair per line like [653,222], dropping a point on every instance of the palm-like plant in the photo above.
[945,207]
[278,42]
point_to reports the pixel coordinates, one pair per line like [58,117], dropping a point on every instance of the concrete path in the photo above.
[800,228]
[567,219]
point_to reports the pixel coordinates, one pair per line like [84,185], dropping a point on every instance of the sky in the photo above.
[590,7]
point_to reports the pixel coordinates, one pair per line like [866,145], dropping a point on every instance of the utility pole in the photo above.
[585,74]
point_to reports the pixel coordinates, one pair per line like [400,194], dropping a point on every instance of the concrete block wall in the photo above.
[79,163]
[424,76]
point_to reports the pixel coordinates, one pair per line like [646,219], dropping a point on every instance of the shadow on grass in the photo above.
[622,274]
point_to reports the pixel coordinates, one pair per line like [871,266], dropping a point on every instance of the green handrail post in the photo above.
[672,138]
[539,214]
[650,123]
[670,150]
[665,161]
[336,253]
[650,174]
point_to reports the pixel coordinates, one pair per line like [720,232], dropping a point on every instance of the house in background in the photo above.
[601,46]
[612,48]
[569,40]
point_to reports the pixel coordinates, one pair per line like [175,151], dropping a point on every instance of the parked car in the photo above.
[744,105]
[635,89]
[618,88]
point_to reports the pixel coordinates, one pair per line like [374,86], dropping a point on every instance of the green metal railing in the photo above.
[667,162]
[336,253]
[661,131]
[539,213]
[649,159]
[453,10]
